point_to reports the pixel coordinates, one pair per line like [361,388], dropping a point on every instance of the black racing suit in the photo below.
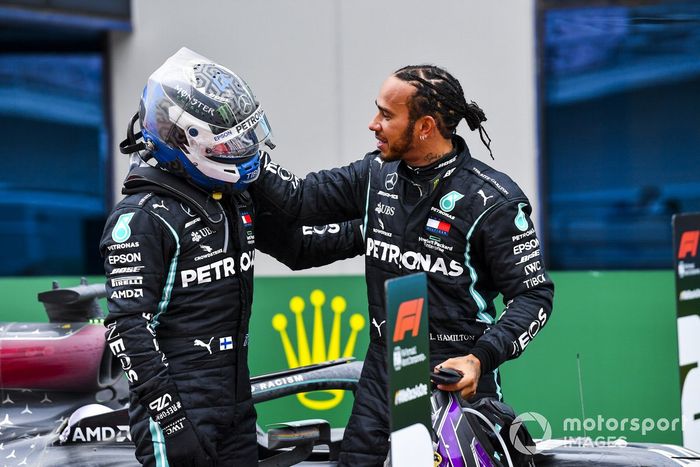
[179,270]
[467,226]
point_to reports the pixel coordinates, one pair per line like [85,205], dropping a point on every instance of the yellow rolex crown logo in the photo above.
[318,351]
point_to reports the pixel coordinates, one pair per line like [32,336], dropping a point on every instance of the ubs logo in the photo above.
[384,209]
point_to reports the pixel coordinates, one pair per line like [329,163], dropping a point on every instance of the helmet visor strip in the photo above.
[222,144]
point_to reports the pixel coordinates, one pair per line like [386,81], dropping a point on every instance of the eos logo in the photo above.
[116,346]
[320,229]
[532,330]
[384,209]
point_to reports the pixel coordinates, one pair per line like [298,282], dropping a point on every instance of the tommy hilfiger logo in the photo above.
[318,351]
[247,220]
[438,227]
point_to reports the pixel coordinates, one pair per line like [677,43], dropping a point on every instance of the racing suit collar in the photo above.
[147,178]
[429,176]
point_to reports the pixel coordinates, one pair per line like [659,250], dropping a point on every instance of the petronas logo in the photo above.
[318,351]
[520,219]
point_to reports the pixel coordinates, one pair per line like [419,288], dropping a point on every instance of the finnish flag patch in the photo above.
[225,343]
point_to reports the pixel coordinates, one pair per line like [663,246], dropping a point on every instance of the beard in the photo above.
[397,150]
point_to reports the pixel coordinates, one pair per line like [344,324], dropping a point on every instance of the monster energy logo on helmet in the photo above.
[213,95]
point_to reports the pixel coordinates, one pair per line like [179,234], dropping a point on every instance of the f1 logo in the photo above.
[408,319]
[689,244]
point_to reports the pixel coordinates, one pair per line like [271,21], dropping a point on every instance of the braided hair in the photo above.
[440,95]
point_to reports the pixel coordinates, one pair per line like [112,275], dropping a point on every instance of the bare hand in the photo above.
[470,367]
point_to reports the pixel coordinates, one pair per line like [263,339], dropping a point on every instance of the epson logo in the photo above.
[527,246]
[411,260]
[124,258]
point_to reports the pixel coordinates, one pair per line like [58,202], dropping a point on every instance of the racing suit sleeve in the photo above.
[508,246]
[307,246]
[138,253]
[321,197]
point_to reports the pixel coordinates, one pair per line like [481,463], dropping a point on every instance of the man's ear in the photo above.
[426,125]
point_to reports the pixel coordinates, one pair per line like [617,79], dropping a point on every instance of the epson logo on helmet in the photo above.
[241,128]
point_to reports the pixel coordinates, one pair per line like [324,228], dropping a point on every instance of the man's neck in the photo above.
[432,153]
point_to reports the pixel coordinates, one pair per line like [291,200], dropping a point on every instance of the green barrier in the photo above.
[621,325]
[606,365]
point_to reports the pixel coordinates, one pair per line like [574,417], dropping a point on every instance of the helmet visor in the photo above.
[222,144]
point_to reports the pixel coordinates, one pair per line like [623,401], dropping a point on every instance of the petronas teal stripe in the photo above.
[499,391]
[364,223]
[158,442]
[170,281]
[480,302]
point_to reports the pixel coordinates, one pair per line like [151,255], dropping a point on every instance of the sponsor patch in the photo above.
[449,201]
[520,219]
[225,343]
[437,226]
[121,231]
[247,220]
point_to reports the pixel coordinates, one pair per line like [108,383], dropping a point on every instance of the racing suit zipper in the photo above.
[242,382]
